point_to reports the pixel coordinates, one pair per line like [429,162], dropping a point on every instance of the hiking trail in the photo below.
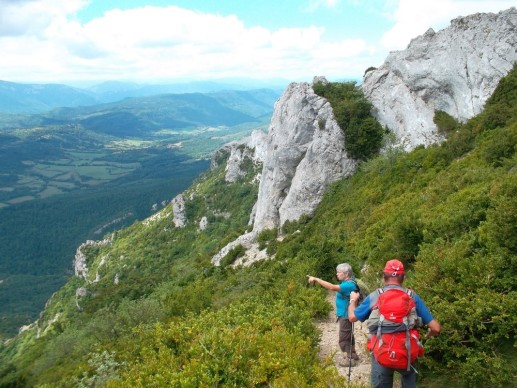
[360,374]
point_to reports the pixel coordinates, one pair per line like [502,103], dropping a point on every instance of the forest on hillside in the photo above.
[448,211]
[73,174]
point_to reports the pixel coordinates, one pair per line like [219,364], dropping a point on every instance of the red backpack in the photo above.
[395,342]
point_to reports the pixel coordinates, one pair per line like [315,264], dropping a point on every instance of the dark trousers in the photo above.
[382,377]
[346,339]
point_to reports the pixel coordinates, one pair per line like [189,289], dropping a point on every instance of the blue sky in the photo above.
[183,40]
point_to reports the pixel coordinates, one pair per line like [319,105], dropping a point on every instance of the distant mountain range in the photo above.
[195,122]
[138,115]
[32,98]
[39,98]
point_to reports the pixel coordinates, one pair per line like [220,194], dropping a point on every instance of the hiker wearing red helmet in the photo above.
[382,375]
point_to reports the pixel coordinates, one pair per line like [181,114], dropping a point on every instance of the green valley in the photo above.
[74,174]
[154,311]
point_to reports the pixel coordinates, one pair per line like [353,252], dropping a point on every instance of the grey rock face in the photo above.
[454,70]
[233,167]
[258,142]
[178,208]
[203,223]
[247,240]
[305,152]
[252,147]
[80,259]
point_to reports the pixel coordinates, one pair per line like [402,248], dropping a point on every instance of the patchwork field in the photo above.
[76,174]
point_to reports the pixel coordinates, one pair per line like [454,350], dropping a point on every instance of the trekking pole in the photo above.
[350,354]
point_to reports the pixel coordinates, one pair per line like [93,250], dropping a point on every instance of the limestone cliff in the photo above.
[302,154]
[453,70]
[305,152]
[178,209]
[252,147]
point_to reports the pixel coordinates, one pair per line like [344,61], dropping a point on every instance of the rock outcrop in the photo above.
[249,242]
[454,70]
[81,258]
[178,210]
[252,147]
[304,153]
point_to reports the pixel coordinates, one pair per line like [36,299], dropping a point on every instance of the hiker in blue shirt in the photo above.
[382,377]
[347,285]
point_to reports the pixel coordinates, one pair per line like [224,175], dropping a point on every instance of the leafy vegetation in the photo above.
[445,122]
[160,314]
[363,133]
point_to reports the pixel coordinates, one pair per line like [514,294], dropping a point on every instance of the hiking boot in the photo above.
[355,356]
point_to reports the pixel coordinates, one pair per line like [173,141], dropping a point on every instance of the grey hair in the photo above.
[345,268]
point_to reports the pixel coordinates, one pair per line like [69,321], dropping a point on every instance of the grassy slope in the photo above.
[449,212]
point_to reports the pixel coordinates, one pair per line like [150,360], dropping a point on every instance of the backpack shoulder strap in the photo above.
[357,288]
[375,302]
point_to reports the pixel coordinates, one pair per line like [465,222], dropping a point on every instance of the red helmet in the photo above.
[394,267]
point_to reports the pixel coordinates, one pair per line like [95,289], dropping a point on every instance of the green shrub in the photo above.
[265,237]
[500,107]
[445,122]
[363,133]
[291,226]
[500,145]
[233,255]
[246,344]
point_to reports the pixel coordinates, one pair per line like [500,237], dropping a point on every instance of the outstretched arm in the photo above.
[324,283]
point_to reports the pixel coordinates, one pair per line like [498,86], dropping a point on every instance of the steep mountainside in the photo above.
[147,306]
[453,70]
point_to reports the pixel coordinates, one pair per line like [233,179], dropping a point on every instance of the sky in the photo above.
[156,41]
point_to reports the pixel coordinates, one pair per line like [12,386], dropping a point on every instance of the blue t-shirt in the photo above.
[343,298]
[363,310]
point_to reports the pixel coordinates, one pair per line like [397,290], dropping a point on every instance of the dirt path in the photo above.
[360,374]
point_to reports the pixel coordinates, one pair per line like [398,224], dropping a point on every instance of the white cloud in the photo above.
[42,41]
[161,43]
[413,18]
[30,17]
[348,48]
